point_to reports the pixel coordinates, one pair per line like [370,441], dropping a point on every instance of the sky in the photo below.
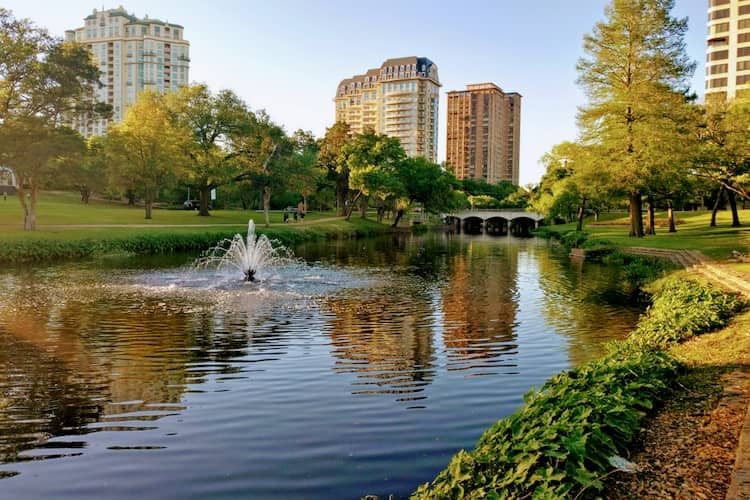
[288,56]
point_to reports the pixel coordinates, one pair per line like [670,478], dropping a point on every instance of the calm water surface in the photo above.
[360,371]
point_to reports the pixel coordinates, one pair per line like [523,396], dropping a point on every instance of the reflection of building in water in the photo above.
[385,338]
[8,182]
[585,303]
[479,306]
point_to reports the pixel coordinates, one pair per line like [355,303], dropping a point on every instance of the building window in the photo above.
[743,51]
[743,65]
[719,14]
[744,9]
[719,55]
[718,28]
[716,82]
[718,69]
[743,37]
[743,79]
[717,3]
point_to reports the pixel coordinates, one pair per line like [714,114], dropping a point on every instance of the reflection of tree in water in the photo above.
[479,306]
[586,302]
[385,337]
[73,357]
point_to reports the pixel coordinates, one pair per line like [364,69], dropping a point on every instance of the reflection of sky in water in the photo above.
[360,373]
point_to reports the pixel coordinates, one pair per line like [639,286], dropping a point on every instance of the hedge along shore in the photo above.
[69,244]
[560,443]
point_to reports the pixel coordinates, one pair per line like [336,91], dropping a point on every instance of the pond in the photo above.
[359,371]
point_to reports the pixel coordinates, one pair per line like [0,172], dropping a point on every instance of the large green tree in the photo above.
[725,154]
[44,83]
[331,146]
[264,151]
[147,149]
[371,161]
[37,152]
[635,73]
[212,121]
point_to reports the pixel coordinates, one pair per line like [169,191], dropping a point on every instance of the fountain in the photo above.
[245,256]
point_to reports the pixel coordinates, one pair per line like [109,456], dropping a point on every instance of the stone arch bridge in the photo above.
[498,222]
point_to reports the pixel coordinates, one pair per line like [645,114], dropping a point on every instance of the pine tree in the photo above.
[635,73]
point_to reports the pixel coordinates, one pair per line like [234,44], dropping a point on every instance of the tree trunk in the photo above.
[205,195]
[636,217]
[363,202]
[716,206]
[596,215]
[670,216]
[350,209]
[733,206]
[304,202]
[267,204]
[581,212]
[28,204]
[651,222]
[149,205]
[342,193]
[399,214]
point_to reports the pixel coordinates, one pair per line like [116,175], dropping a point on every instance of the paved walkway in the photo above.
[725,276]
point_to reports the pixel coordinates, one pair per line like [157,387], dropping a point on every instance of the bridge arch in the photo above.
[497,226]
[472,224]
[522,226]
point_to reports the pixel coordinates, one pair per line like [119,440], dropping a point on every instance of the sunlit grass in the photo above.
[693,233]
[60,208]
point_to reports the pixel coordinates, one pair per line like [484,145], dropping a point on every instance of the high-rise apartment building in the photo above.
[728,53]
[399,99]
[133,54]
[484,133]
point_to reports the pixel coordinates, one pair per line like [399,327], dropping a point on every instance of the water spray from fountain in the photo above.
[245,256]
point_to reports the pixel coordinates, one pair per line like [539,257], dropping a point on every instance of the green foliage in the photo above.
[683,308]
[558,444]
[573,239]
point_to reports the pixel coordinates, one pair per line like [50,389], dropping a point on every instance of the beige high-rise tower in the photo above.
[728,52]
[399,99]
[133,54]
[484,133]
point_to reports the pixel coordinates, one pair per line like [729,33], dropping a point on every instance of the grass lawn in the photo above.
[60,208]
[693,233]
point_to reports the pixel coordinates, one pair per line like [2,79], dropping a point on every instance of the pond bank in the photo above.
[559,444]
[83,242]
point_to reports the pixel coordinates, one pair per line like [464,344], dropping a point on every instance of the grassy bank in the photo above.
[559,443]
[65,244]
[693,233]
[62,208]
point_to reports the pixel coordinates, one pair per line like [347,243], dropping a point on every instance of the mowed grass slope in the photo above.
[59,208]
[693,233]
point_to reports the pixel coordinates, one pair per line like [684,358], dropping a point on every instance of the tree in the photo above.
[212,121]
[36,151]
[635,73]
[305,172]
[572,182]
[44,82]
[147,148]
[371,161]
[263,151]
[426,183]
[725,155]
[330,147]
[89,174]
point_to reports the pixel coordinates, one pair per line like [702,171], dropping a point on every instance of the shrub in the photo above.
[573,239]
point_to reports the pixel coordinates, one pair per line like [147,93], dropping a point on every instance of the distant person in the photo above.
[301,211]
[286,216]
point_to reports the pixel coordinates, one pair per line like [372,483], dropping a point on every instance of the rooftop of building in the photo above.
[422,66]
[132,18]
[472,87]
